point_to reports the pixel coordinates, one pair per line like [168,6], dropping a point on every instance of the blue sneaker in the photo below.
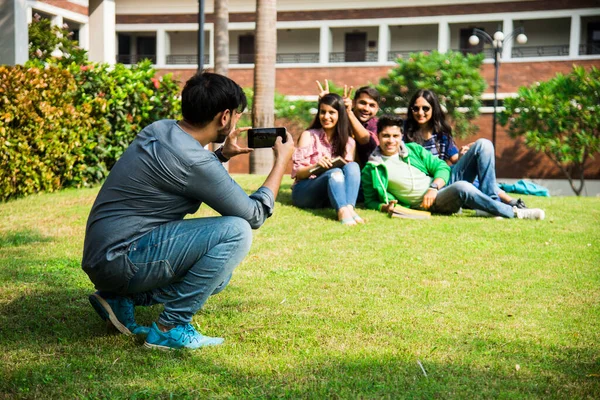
[119,312]
[182,336]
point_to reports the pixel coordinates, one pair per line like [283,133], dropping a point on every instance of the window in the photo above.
[356,46]
[246,49]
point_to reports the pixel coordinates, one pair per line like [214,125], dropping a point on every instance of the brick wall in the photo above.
[67,5]
[301,81]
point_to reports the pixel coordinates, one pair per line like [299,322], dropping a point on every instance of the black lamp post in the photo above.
[497,41]
[200,35]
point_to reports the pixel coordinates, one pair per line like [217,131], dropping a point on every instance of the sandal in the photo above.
[348,221]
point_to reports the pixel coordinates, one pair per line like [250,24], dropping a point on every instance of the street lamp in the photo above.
[497,41]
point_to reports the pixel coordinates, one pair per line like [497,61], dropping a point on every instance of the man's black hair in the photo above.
[206,94]
[369,91]
[389,120]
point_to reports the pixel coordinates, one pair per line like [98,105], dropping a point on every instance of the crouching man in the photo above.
[139,250]
[408,174]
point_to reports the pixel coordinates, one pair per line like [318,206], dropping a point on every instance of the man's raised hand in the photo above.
[231,147]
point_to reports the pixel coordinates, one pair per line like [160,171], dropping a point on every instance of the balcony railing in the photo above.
[296,58]
[589,49]
[540,51]
[186,59]
[135,58]
[353,56]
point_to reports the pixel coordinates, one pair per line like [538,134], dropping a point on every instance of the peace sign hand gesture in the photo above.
[323,91]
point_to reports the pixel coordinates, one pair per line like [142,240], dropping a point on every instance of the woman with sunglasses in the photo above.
[328,137]
[426,125]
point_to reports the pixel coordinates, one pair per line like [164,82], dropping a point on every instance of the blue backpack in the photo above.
[525,187]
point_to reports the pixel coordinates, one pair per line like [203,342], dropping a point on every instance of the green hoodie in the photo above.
[374,176]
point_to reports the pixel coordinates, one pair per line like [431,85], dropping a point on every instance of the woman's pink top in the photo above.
[318,148]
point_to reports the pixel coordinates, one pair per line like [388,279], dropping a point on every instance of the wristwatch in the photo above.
[434,186]
[220,156]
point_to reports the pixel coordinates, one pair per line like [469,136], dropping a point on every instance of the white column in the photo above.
[443,36]
[575,36]
[211,47]
[324,45]
[102,37]
[384,43]
[13,31]
[161,51]
[507,27]
[57,20]
[29,15]
[84,36]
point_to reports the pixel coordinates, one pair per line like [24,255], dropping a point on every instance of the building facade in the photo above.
[354,42]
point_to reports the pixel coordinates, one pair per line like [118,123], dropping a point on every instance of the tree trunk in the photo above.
[263,109]
[221,37]
[221,44]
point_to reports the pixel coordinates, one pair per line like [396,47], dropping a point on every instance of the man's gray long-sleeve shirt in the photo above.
[162,176]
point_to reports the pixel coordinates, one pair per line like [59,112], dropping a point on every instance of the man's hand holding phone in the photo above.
[283,151]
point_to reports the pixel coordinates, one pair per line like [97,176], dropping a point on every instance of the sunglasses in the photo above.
[416,109]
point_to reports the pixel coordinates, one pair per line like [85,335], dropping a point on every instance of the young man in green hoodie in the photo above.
[408,174]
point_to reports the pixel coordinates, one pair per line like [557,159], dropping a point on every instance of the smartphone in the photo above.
[265,137]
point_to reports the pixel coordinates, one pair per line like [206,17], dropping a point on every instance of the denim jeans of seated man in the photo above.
[337,187]
[463,194]
[478,164]
[181,263]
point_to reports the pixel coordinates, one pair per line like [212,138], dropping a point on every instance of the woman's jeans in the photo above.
[337,187]
[181,263]
[478,163]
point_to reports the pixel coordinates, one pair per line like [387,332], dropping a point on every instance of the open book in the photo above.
[403,212]
[337,162]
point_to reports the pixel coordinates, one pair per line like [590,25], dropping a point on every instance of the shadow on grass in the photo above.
[204,374]
[20,238]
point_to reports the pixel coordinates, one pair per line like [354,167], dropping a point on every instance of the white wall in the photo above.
[339,37]
[414,37]
[298,41]
[546,32]
[190,6]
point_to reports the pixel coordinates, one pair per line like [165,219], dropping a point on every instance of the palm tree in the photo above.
[221,37]
[261,160]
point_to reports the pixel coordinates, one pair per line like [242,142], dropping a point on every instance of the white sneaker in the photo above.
[481,213]
[529,213]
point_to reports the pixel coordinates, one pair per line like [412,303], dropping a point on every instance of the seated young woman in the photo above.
[426,125]
[328,137]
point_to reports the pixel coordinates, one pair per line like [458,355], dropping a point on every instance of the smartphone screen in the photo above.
[265,137]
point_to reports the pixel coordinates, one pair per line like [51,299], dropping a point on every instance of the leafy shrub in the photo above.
[134,97]
[454,77]
[297,112]
[561,118]
[46,40]
[45,134]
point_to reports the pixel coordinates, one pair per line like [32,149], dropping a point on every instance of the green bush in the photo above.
[561,118]
[64,121]
[294,111]
[454,77]
[45,39]
[45,134]
[134,97]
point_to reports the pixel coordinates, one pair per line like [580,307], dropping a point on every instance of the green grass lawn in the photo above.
[488,308]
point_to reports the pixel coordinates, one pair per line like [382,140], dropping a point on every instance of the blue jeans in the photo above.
[478,163]
[181,263]
[337,187]
[460,194]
